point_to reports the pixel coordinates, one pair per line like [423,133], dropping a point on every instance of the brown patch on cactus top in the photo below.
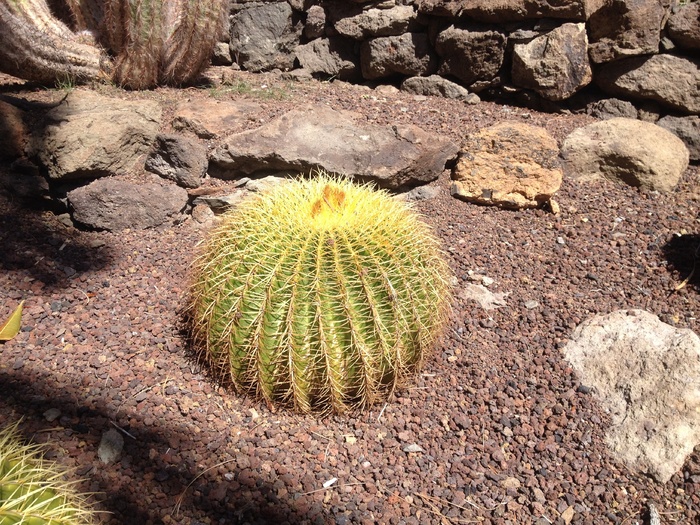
[332,197]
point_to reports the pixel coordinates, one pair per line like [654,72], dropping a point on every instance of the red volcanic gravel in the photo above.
[503,430]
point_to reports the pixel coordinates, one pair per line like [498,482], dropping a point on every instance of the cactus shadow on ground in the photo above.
[21,396]
[682,253]
[36,243]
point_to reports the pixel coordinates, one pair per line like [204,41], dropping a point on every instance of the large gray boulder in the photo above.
[499,11]
[88,135]
[511,165]
[378,22]
[332,57]
[317,136]
[670,80]
[638,153]
[625,28]
[645,374]
[555,65]
[683,26]
[114,204]
[263,37]
[610,108]
[408,54]
[470,54]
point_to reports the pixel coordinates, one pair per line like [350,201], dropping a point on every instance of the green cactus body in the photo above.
[320,295]
[34,492]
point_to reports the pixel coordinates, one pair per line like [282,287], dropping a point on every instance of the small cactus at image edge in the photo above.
[319,295]
[34,491]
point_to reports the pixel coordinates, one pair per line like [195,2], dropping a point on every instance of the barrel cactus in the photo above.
[135,43]
[33,491]
[319,295]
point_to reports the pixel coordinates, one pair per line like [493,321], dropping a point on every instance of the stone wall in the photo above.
[544,52]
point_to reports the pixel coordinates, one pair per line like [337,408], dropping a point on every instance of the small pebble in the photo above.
[52,414]
[111,446]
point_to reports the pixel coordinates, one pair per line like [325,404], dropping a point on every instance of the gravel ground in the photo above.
[506,433]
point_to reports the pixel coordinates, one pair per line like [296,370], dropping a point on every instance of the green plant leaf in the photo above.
[12,325]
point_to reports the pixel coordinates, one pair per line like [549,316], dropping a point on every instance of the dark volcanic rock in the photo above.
[111,204]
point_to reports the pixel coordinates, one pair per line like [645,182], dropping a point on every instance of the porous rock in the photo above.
[625,28]
[179,159]
[610,108]
[511,165]
[333,57]
[114,204]
[554,65]
[263,37]
[645,373]
[88,135]
[377,22]
[683,26]
[317,136]
[685,128]
[407,54]
[499,11]
[673,81]
[638,153]
[437,86]
[470,54]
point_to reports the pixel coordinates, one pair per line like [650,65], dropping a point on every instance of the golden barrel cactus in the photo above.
[34,491]
[320,295]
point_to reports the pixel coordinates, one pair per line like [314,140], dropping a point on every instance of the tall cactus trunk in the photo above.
[136,35]
[161,41]
[197,28]
[86,14]
[36,46]
[152,42]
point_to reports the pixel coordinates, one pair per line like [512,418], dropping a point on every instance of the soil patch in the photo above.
[495,430]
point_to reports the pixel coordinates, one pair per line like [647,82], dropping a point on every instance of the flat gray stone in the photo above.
[112,204]
[318,137]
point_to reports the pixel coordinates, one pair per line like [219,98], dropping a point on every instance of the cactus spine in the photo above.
[138,44]
[320,295]
[34,492]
